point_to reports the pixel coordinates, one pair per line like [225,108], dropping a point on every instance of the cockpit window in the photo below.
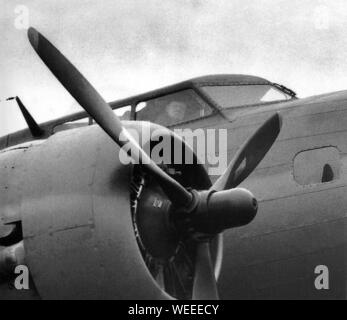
[173,108]
[236,96]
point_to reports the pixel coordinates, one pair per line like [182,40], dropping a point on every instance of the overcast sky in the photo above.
[126,47]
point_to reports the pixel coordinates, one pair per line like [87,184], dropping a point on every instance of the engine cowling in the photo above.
[77,220]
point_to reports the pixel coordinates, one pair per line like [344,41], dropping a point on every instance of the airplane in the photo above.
[90,227]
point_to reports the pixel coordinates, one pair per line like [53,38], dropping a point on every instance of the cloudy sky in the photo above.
[126,47]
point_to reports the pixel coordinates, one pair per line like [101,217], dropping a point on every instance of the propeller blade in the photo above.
[205,284]
[85,94]
[250,154]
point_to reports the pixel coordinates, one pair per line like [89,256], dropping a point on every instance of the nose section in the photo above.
[231,208]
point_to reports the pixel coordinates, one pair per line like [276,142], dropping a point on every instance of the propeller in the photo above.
[205,285]
[207,212]
[252,152]
[85,94]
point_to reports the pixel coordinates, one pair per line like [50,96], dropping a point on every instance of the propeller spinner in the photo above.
[207,212]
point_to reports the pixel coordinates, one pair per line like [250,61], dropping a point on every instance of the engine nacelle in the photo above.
[77,223]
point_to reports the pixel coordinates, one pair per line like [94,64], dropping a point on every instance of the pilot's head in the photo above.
[176,110]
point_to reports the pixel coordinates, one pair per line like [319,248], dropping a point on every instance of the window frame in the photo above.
[297,166]
[241,106]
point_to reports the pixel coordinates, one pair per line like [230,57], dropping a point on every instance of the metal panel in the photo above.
[11,176]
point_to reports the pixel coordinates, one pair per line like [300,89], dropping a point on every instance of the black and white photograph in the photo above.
[189,150]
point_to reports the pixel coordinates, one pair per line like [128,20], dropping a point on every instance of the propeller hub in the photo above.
[217,211]
[232,208]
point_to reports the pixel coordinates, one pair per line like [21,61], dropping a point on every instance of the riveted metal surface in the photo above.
[11,175]
[298,227]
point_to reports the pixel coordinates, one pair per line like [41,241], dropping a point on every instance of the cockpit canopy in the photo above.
[195,99]
[204,95]
[179,103]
